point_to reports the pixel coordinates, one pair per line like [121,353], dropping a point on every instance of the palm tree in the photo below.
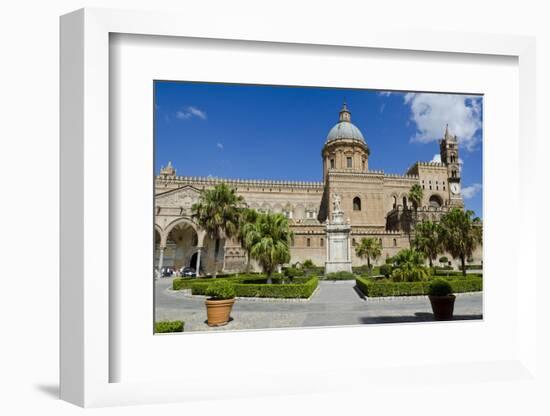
[409,266]
[369,248]
[247,218]
[461,234]
[218,213]
[416,194]
[428,239]
[268,240]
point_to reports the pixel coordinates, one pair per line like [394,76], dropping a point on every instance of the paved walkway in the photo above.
[334,303]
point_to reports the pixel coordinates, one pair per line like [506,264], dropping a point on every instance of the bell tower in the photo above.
[448,147]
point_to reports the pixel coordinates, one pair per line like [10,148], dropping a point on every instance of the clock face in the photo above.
[455,188]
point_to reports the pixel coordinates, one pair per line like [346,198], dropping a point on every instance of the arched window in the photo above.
[322,242]
[308,242]
[353,242]
[394,198]
[380,241]
[357,204]
[394,242]
[404,202]
[436,201]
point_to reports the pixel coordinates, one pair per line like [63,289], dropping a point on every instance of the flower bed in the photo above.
[383,288]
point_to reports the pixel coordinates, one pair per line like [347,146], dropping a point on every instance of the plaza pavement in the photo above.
[334,303]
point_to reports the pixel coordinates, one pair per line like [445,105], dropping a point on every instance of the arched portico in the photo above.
[178,244]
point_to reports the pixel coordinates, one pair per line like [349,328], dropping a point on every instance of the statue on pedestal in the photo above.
[336,200]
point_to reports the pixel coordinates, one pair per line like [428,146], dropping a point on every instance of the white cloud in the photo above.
[190,112]
[436,158]
[219,145]
[431,112]
[382,108]
[470,191]
[384,93]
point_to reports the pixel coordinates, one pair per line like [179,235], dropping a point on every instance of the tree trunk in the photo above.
[431,264]
[269,279]
[368,264]
[462,261]
[248,261]
[216,253]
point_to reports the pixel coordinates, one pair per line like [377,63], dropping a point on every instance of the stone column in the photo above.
[199,261]
[327,243]
[161,259]
[349,249]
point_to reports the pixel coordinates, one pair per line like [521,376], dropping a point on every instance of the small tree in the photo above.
[416,194]
[461,234]
[247,218]
[218,213]
[308,264]
[428,239]
[269,242]
[409,266]
[368,248]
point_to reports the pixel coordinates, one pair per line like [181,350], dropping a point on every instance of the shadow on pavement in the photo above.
[418,317]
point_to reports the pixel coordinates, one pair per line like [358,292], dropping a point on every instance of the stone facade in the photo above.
[374,204]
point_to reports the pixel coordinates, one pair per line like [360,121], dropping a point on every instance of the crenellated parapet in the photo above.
[256,183]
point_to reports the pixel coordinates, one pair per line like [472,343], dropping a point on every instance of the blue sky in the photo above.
[246,131]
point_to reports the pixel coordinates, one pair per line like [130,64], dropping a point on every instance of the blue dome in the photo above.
[345,129]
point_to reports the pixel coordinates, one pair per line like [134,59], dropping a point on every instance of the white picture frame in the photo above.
[86,294]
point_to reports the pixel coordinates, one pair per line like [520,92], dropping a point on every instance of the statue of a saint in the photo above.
[336,203]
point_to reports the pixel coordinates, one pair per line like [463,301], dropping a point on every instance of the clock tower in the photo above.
[448,147]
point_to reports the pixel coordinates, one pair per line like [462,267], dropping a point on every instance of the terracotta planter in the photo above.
[218,311]
[442,307]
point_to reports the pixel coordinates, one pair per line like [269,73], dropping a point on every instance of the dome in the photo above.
[345,129]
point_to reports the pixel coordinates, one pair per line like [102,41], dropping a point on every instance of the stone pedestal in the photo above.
[338,244]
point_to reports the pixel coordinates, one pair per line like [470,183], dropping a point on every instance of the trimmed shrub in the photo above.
[383,288]
[360,269]
[340,276]
[443,259]
[300,288]
[386,270]
[308,264]
[293,272]
[220,290]
[163,327]
[389,260]
[439,287]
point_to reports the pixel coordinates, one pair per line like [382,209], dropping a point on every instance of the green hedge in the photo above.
[381,288]
[339,276]
[163,327]
[474,267]
[181,283]
[454,274]
[263,290]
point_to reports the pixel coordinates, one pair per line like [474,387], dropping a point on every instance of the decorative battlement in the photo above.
[430,164]
[377,173]
[209,180]
[375,232]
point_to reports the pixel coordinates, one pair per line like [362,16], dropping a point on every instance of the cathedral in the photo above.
[373,203]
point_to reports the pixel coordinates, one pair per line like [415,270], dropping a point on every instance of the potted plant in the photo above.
[442,299]
[221,295]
